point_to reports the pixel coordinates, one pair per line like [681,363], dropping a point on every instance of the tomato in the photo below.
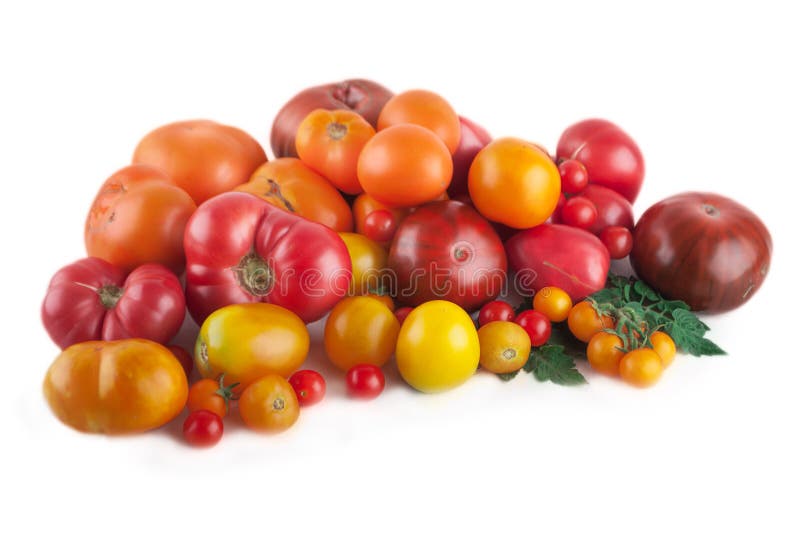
[92,300]
[505,346]
[574,176]
[584,322]
[604,352]
[184,358]
[402,313]
[664,346]
[137,217]
[115,387]
[382,297]
[380,225]
[612,208]
[364,205]
[446,250]
[292,186]
[641,367]
[240,249]
[438,347]
[536,325]
[369,263]
[578,212]
[617,240]
[553,303]
[211,395]
[202,157]
[405,166]
[514,182]
[360,329]
[473,138]
[309,386]
[269,404]
[426,109]
[248,340]
[494,311]
[365,381]
[329,142]
[203,428]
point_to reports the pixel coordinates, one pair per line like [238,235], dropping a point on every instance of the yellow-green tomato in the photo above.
[438,347]
[247,341]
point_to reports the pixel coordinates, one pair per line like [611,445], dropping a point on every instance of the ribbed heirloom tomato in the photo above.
[426,109]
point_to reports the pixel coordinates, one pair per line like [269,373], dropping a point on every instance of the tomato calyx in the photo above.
[109,295]
[278,404]
[336,131]
[711,210]
[254,274]
[275,191]
[226,391]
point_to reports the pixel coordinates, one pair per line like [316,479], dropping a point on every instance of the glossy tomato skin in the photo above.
[536,325]
[360,330]
[473,138]
[365,204]
[292,186]
[138,216]
[611,157]
[202,157]
[116,387]
[240,249]
[93,300]
[560,256]
[203,428]
[495,311]
[618,241]
[702,248]
[365,381]
[446,250]
[426,109]
[612,208]
[269,404]
[309,386]
[368,259]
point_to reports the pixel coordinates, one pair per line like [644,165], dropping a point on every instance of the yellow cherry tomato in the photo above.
[438,347]
[604,353]
[664,347]
[246,341]
[584,321]
[360,330]
[552,302]
[269,404]
[505,346]
[369,263]
[641,367]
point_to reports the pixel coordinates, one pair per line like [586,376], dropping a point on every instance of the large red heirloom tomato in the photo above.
[241,249]
[447,251]
[92,300]
[702,248]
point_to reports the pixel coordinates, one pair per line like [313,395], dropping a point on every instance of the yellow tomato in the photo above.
[641,367]
[360,330]
[438,347]
[247,341]
[369,263]
[553,302]
[664,347]
[505,346]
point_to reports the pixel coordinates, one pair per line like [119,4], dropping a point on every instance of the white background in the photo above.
[708,90]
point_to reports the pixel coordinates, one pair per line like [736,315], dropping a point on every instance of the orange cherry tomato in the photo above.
[291,185]
[137,217]
[404,166]
[360,330]
[664,347]
[584,322]
[514,182]
[604,353]
[641,367]
[329,142]
[210,395]
[552,302]
[269,404]
[426,109]
[365,204]
[505,346]
[202,157]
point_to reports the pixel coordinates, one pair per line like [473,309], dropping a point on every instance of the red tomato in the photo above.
[618,241]
[91,300]
[578,212]
[536,324]
[380,226]
[364,205]
[574,176]
[494,311]
[202,428]
[241,249]
[612,208]
[473,138]
[309,386]
[365,381]
[426,109]
[402,313]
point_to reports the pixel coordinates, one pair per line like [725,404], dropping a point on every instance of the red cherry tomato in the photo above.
[536,324]
[574,176]
[618,241]
[202,428]
[365,381]
[579,212]
[309,386]
[380,225]
[402,313]
[494,311]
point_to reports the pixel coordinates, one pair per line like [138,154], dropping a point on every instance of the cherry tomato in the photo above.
[505,346]
[365,204]
[553,302]
[604,353]
[664,346]
[494,311]
[402,313]
[365,381]
[578,212]
[309,386]
[380,225]
[426,109]
[269,404]
[184,358]
[360,329]
[584,321]
[202,428]
[617,240]
[574,176]
[211,395]
[641,367]
[405,166]
[536,324]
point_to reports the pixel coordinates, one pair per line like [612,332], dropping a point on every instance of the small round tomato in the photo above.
[380,225]
[184,358]
[578,212]
[402,313]
[574,176]
[584,321]
[365,381]
[369,263]
[329,141]
[604,353]
[514,182]
[617,240]
[664,346]
[269,404]
[641,367]
[405,166]
[203,428]
[309,386]
[553,302]
[426,109]
[505,346]
[211,395]
[364,205]
[494,311]
[536,325]
[360,329]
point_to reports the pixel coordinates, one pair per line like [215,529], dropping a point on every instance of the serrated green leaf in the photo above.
[551,363]
[606,295]
[643,290]
[617,281]
[689,322]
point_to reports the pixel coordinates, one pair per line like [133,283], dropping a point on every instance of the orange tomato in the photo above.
[360,330]
[289,184]
[269,404]
[365,204]
[604,353]
[664,347]
[138,216]
[552,302]
[584,322]
[505,346]
[641,367]
[116,387]
[329,142]
[202,157]
[514,182]
[426,109]
[404,166]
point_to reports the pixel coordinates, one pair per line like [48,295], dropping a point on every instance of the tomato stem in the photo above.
[109,295]
[337,131]
[255,275]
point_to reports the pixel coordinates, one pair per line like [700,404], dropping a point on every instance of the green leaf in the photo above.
[687,321]
[508,376]
[551,363]
[606,295]
[617,281]
[645,291]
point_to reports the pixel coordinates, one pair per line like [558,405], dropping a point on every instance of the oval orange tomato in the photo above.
[426,109]
[360,330]
[269,404]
